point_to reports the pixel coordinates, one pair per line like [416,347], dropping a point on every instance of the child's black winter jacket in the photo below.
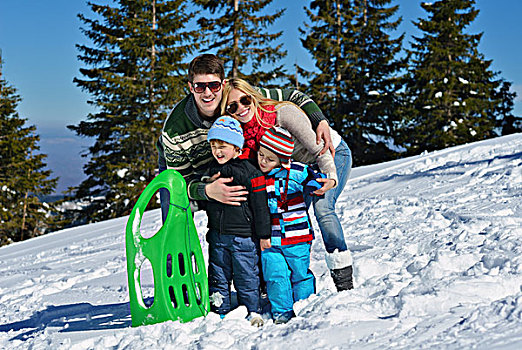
[252,217]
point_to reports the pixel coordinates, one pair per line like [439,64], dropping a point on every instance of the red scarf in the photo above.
[252,131]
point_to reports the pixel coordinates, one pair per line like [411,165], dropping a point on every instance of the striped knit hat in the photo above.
[227,129]
[279,141]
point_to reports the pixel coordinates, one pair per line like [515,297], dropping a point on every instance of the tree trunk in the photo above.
[153,59]
[24,215]
[235,49]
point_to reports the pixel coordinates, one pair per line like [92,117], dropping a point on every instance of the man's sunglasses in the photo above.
[214,86]
[244,100]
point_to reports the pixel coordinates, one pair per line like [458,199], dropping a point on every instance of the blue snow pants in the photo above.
[287,275]
[232,258]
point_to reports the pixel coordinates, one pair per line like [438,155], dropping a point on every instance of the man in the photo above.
[182,145]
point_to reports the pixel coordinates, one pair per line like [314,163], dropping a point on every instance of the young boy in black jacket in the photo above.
[234,230]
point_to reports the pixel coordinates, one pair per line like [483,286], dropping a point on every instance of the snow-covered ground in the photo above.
[437,243]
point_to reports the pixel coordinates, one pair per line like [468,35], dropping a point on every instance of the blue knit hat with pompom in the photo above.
[227,129]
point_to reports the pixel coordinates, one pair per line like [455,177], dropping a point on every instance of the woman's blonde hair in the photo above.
[258,99]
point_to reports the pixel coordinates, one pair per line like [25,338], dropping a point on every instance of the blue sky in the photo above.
[38,38]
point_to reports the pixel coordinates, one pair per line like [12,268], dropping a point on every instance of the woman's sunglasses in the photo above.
[214,86]
[244,100]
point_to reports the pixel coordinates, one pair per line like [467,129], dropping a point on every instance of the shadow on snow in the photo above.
[73,318]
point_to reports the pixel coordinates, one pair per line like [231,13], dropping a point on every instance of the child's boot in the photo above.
[282,318]
[255,319]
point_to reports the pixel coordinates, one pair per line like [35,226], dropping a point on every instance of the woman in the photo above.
[257,114]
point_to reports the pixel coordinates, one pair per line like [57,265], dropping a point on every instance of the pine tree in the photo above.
[358,82]
[238,32]
[453,96]
[506,122]
[22,174]
[136,74]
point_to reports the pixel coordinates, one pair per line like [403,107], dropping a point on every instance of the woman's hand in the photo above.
[328,185]
[264,243]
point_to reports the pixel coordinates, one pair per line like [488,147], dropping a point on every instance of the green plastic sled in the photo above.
[180,279]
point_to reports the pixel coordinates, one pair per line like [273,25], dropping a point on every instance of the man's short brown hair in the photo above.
[206,64]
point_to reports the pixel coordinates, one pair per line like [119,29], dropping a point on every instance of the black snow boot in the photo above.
[343,278]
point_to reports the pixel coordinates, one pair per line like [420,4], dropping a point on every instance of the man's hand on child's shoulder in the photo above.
[323,134]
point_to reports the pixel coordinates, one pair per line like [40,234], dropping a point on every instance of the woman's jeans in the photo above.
[324,206]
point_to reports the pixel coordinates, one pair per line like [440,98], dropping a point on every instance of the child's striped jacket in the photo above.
[288,214]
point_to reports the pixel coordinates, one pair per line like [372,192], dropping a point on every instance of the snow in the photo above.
[437,251]
[122,172]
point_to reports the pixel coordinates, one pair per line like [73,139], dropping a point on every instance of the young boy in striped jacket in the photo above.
[285,256]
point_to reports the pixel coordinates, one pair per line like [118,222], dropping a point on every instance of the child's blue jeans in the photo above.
[232,258]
